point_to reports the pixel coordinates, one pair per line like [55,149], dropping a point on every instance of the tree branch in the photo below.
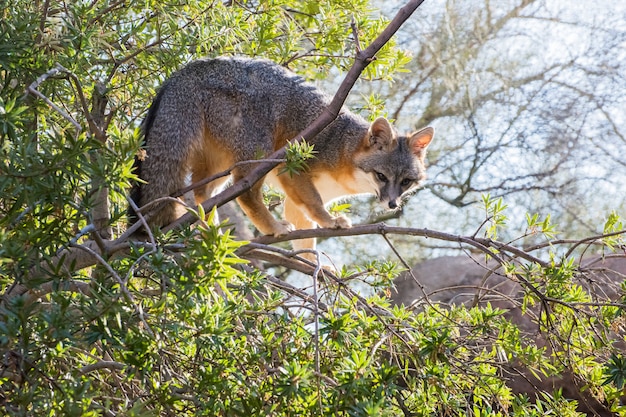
[481,244]
[111,365]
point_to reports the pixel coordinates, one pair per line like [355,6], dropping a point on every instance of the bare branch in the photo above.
[49,287]
[483,245]
[32,89]
[111,365]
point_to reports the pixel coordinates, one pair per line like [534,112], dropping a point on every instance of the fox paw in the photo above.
[341,222]
[282,228]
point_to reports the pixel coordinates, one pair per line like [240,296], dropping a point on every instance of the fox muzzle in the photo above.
[390,195]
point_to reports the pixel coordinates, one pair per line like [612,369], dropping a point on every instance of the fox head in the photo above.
[393,165]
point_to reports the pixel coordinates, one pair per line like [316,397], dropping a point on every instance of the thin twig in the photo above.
[32,90]
[355,35]
[222,174]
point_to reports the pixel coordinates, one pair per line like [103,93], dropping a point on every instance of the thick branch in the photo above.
[382,229]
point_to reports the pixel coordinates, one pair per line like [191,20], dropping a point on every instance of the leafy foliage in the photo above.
[297,155]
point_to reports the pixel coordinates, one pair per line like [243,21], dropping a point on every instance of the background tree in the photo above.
[525,97]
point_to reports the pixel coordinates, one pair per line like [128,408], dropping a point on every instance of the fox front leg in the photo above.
[251,202]
[307,203]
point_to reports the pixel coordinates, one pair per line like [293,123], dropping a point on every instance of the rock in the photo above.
[473,281]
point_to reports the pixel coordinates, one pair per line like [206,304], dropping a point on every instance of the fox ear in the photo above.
[381,134]
[419,141]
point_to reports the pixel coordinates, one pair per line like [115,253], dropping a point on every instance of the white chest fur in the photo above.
[333,188]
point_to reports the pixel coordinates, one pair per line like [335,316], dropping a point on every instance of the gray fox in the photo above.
[214,113]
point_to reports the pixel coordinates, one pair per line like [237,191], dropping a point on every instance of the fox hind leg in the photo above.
[206,161]
[204,192]
[251,202]
[164,176]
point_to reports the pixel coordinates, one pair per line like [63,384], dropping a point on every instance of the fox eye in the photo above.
[405,182]
[381,177]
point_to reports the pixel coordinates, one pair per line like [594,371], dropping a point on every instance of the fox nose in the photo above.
[393,204]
